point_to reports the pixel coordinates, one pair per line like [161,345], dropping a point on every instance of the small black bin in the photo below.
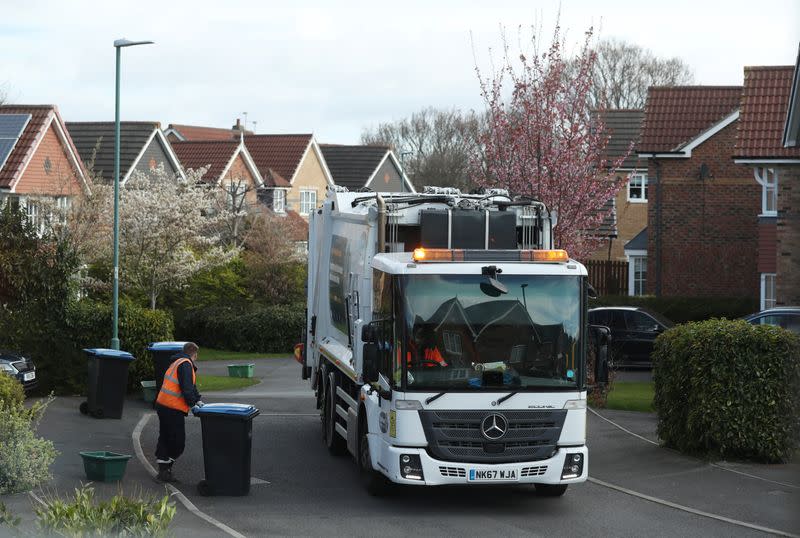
[108,382]
[162,353]
[227,441]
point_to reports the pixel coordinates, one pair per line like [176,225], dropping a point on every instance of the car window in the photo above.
[787,321]
[599,317]
[637,321]
[617,320]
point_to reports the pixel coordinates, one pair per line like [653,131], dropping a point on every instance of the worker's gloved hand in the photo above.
[197,407]
[199,403]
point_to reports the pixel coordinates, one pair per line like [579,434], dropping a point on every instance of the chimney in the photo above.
[238,126]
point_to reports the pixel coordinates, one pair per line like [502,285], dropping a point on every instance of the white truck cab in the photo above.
[446,340]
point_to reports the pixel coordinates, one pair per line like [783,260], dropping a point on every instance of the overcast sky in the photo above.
[335,67]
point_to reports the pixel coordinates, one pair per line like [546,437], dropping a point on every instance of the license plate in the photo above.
[29,376]
[493,475]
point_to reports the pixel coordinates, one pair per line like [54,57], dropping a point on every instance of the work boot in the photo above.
[165,473]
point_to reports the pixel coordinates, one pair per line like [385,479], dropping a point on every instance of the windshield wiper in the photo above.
[434,397]
[506,397]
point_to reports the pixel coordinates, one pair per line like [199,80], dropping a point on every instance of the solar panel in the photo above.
[11,127]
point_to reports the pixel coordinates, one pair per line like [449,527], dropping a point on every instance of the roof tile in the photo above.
[214,154]
[676,115]
[99,135]
[280,154]
[198,132]
[352,166]
[765,103]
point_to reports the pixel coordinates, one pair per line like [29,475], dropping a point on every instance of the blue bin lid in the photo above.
[109,354]
[228,409]
[166,346]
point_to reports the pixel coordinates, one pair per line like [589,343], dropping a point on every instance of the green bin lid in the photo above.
[103,353]
[232,410]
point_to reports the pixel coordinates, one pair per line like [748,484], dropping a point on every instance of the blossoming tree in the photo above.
[542,141]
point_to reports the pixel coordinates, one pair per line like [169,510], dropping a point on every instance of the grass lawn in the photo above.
[631,396]
[208,354]
[210,383]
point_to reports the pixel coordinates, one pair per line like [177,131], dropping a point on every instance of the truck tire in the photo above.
[336,444]
[374,482]
[551,490]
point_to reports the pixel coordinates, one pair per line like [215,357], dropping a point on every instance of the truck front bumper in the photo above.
[439,473]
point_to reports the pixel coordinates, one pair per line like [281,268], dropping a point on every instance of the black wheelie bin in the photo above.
[162,353]
[108,382]
[227,442]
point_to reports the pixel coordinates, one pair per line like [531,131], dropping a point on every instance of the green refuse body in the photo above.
[149,391]
[240,370]
[104,466]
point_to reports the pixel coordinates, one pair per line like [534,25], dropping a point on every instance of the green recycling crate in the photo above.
[104,466]
[149,391]
[240,370]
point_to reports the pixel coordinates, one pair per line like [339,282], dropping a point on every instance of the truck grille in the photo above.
[457,436]
[456,472]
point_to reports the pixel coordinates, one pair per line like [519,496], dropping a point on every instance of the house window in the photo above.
[34,216]
[48,166]
[235,195]
[767,290]
[637,187]
[279,200]
[768,179]
[637,275]
[308,201]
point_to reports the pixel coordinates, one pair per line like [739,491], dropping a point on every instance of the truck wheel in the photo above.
[551,490]
[84,408]
[375,483]
[335,443]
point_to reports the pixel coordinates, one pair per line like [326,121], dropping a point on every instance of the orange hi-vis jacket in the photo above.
[170,394]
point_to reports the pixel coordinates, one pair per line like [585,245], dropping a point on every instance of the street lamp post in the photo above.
[118,45]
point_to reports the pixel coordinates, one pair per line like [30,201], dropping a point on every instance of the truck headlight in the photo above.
[575,404]
[573,466]
[411,467]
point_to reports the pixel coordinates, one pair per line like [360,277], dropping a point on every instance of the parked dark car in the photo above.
[633,331]
[15,365]
[787,317]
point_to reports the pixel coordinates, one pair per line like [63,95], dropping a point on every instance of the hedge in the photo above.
[269,329]
[685,309]
[728,389]
[90,323]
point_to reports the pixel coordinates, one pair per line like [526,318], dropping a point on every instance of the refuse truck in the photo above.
[446,339]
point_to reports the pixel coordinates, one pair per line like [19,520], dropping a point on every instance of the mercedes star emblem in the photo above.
[494,427]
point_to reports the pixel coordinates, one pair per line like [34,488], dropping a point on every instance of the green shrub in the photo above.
[119,516]
[90,323]
[685,309]
[11,391]
[728,389]
[270,329]
[24,458]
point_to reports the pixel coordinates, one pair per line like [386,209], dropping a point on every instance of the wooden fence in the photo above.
[608,277]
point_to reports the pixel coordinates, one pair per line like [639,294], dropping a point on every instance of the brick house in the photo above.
[38,160]
[760,146]
[294,171]
[229,165]
[366,167]
[702,222]
[143,148]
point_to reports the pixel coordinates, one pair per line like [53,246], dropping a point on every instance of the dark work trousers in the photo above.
[171,433]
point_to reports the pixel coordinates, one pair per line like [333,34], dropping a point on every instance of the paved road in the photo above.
[310,493]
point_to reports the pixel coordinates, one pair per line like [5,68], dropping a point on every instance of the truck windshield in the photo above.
[461,332]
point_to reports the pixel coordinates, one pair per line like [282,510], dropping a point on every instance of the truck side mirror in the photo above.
[371,360]
[602,339]
[590,291]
